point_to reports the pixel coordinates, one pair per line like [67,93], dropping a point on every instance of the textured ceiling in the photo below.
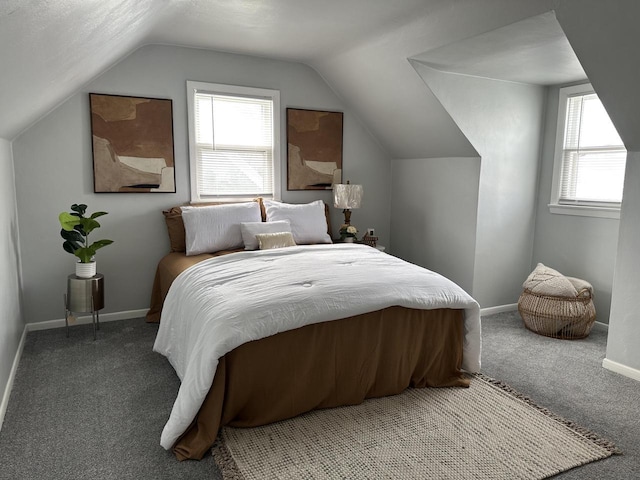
[50,48]
[534,51]
[287,29]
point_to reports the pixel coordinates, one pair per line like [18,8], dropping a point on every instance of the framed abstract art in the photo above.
[132,139]
[314,149]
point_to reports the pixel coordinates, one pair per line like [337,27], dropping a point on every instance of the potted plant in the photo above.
[348,233]
[76,228]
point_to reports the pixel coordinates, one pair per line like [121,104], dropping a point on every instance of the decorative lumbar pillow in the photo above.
[215,228]
[275,240]
[251,229]
[547,281]
[308,221]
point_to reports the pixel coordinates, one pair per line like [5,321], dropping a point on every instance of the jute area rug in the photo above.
[487,431]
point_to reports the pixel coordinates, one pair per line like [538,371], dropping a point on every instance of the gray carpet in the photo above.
[566,376]
[81,409]
[94,410]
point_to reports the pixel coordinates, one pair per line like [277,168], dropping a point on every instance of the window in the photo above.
[590,157]
[233,142]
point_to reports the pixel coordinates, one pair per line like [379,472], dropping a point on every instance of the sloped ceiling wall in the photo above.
[380,84]
[605,37]
[48,50]
[533,51]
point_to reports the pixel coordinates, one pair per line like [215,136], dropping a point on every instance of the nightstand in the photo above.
[84,295]
[378,247]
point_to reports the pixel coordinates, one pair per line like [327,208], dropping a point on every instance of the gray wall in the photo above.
[53,162]
[433,214]
[605,36]
[583,247]
[502,120]
[624,333]
[382,87]
[11,323]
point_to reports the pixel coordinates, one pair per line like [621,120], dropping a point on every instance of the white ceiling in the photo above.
[51,48]
[48,49]
[298,30]
[534,51]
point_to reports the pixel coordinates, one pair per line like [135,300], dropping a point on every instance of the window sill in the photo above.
[231,199]
[584,211]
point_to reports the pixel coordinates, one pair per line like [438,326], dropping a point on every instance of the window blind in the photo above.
[593,156]
[234,145]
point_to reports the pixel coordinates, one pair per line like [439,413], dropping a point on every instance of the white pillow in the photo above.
[308,221]
[251,229]
[217,227]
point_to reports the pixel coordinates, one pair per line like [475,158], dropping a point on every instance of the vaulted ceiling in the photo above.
[51,48]
[48,48]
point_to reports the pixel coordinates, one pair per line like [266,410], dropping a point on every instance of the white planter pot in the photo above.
[349,239]
[85,270]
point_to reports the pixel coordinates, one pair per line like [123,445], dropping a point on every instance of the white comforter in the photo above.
[221,303]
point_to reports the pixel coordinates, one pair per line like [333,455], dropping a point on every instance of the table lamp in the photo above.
[347,197]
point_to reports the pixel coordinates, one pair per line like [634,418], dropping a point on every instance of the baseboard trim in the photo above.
[86,319]
[601,326]
[621,369]
[499,309]
[12,375]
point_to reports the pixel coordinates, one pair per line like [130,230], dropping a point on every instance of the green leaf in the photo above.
[72,235]
[88,224]
[99,214]
[80,230]
[100,243]
[70,247]
[68,221]
[79,208]
[85,254]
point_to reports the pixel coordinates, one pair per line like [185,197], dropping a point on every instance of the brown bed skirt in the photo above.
[329,364]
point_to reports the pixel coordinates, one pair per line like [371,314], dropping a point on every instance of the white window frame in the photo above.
[601,211]
[217,88]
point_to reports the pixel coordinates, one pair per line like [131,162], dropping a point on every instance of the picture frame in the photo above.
[132,144]
[314,149]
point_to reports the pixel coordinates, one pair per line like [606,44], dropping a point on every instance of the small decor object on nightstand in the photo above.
[370,240]
[348,233]
[75,232]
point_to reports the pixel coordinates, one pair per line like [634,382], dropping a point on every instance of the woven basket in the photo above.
[558,317]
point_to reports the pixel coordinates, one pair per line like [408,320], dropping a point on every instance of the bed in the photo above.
[261,335]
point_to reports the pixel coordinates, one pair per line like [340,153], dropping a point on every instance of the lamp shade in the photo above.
[347,196]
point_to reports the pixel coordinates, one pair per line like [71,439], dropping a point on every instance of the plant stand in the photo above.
[84,295]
